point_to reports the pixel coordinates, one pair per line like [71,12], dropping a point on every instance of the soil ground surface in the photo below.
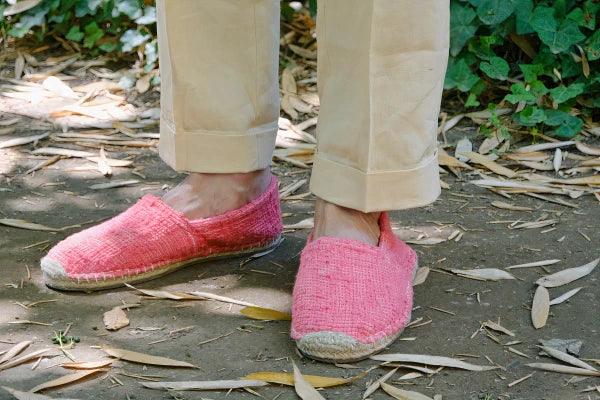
[60,196]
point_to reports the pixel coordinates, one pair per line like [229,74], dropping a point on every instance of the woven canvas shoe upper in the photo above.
[352,288]
[151,234]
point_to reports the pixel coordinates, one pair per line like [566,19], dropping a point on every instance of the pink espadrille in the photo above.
[352,299]
[151,239]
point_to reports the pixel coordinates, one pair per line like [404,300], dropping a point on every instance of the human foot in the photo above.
[352,299]
[207,195]
[152,239]
[335,221]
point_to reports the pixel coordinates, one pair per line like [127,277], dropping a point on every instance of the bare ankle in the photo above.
[247,184]
[337,221]
[202,195]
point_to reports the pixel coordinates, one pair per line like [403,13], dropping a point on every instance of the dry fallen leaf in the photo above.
[410,376]
[491,165]
[463,146]
[511,207]
[103,165]
[558,159]
[431,360]
[265,314]
[490,144]
[534,264]
[19,223]
[303,388]
[65,380]
[568,275]
[115,319]
[285,378]
[224,299]
[540,307]
[22,140]
[59,88]
[446,160]
[87,364]
[114,184]
[59,151]
[589,150]
[421,276]
[163,294]
[288,82]
[23,359]
[302,52]
[564,297]
[498,328]
[545,146]
[16,349]
[403,394]
[488,274]
[143,84]
[424,370]
[563,369]
[377,384]
[19,7]
[28,395]
[205,385]
[569,359]
[145,358]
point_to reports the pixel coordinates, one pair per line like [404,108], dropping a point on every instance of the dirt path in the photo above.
[60,196]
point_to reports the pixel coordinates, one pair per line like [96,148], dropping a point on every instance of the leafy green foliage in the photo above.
[546,49]
[540,56]
[100,26]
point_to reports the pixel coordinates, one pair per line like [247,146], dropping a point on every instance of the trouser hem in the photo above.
[217,152]
[376,191]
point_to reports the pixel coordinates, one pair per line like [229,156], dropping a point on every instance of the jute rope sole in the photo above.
[56,278]
[333,347]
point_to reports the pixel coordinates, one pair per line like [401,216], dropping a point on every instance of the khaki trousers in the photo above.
[381,66]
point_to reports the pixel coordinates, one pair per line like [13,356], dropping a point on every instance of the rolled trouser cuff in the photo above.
[217,152]
[376,191]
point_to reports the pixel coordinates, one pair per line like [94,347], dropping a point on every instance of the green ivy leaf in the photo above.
[86,7]
[482,46]
[531,71]
[461,29]
[460,76]
[530,116]
[558,38]
[564,93]
[131,8]
[523,13]
[567,125]
[520,93]
[538,88]
[312,6]
[560,9]
[132,39]
[472,101]
[75,34]
[149,16]
[92,34]
[109,47]
[592,47]
[590,10]
[34,17]
[496,68]
[492,12]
